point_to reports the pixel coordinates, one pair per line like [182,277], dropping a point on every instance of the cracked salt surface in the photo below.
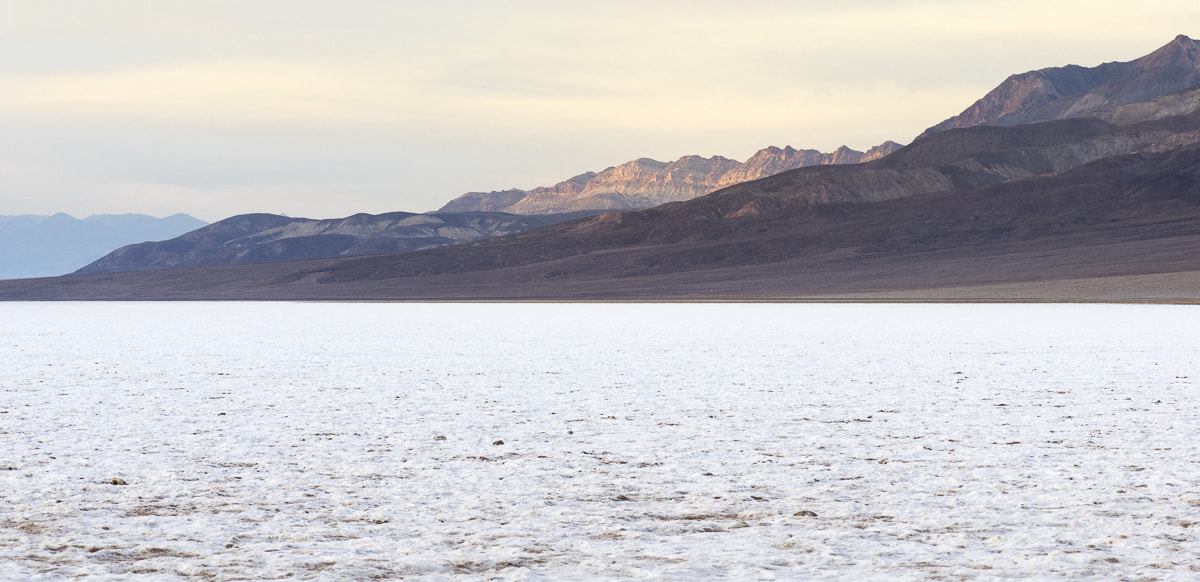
[240,441]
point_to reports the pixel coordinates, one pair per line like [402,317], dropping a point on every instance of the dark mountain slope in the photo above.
[1062,92]
[1109,196]
[257,238]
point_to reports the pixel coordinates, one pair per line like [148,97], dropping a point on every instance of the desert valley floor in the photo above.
[259,441]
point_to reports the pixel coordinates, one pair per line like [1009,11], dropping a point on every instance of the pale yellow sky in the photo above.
[323,109]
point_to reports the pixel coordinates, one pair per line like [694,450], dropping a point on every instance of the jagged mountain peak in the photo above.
[1182,48]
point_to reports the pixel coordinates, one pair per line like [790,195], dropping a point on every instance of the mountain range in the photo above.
[643,183]
[1065,183]
[48,245]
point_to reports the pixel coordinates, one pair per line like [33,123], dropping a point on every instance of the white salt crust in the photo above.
[262,441]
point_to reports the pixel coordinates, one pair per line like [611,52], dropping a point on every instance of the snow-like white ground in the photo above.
[363,441]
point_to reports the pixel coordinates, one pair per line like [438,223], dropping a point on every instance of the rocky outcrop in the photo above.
[644,182]
[1070,91]
[772,160]
[484,201]
[257,238]
[638,184]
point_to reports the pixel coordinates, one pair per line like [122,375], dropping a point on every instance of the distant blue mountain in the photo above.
[46,246]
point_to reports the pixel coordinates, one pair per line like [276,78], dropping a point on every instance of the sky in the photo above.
[327,108]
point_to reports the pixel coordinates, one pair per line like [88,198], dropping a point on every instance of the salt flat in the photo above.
[583,441]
